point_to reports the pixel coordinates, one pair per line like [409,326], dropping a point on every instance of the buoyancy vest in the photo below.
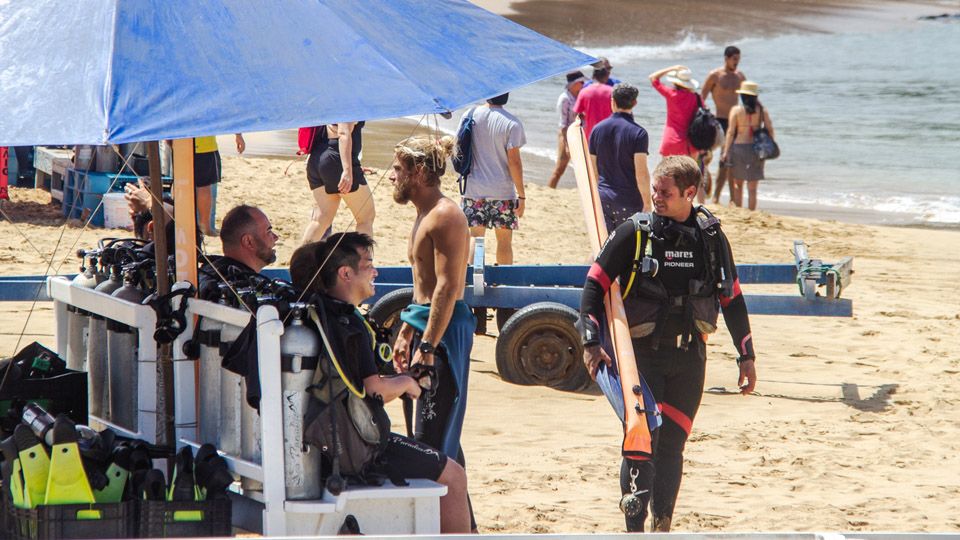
[646,300]
[349,426]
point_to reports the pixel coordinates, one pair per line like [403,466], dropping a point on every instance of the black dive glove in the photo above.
[589,331]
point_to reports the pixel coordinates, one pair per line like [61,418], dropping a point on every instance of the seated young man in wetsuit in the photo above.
[342,267]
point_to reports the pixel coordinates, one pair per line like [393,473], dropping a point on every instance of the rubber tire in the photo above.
[503,315]
[539,345]
[386,313]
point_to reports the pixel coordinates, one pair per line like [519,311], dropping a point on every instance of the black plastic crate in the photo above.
[70,521]
[185,519]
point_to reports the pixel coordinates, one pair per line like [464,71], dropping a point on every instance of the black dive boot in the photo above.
[660,524]
[636,477]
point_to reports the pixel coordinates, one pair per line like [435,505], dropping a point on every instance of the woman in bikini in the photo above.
[334,173]
[738,148]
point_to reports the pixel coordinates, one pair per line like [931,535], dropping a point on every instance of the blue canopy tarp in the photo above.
[110,72]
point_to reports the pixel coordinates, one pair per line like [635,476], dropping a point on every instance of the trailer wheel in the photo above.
[540,346]
[503,315]
[386,313]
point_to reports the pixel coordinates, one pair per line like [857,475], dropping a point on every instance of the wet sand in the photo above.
[652,22]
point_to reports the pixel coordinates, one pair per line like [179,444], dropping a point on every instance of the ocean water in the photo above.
[867,122]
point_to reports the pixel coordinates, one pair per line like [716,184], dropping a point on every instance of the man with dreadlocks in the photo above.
[438,328]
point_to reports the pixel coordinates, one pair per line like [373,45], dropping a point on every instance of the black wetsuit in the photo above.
[209,277]
[675,375]
[409,458]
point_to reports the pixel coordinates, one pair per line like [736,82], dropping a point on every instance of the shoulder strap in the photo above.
[333,358]
[718,252]
[641,225]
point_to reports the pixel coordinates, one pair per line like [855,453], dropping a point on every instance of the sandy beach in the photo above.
[853,427]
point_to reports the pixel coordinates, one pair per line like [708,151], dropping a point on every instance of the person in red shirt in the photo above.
[682,103]
[594,101]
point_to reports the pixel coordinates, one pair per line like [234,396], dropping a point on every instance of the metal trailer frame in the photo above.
[516,286]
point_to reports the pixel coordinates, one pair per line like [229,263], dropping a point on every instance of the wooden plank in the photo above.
[185,211]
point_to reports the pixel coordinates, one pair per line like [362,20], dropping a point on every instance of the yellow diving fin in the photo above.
[11,467]
[67,482]
[117,475]
[35,465]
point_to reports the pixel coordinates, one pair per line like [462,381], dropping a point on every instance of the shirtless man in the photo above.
[723,84]
[438,327]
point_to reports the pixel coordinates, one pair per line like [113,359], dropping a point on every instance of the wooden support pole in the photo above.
[165,397]
[159,218]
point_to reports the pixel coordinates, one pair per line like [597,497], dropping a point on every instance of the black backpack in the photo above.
[703,129]
[463,156]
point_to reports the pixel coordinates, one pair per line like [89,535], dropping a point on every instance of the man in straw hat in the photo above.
[575,82]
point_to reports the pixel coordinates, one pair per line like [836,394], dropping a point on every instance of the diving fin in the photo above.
[117,474]
[67,482]
[182,485]
[211,474]
[152,487]
[140,464]
[35,464]
[12,462]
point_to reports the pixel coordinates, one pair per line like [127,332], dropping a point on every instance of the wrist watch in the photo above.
[426,347]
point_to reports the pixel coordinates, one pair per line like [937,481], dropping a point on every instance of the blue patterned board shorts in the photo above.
[490,213]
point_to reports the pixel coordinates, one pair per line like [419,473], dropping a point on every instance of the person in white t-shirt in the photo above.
[494,195]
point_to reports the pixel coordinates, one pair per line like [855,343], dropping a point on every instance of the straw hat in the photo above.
[681,77]
[748,87]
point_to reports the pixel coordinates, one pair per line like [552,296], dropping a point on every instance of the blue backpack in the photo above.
[463,156]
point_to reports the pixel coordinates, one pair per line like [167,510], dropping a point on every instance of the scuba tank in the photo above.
[97,366]
[78,320]
[231,396]
[251,448]
[208,401]
[299,354]
[122,356]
